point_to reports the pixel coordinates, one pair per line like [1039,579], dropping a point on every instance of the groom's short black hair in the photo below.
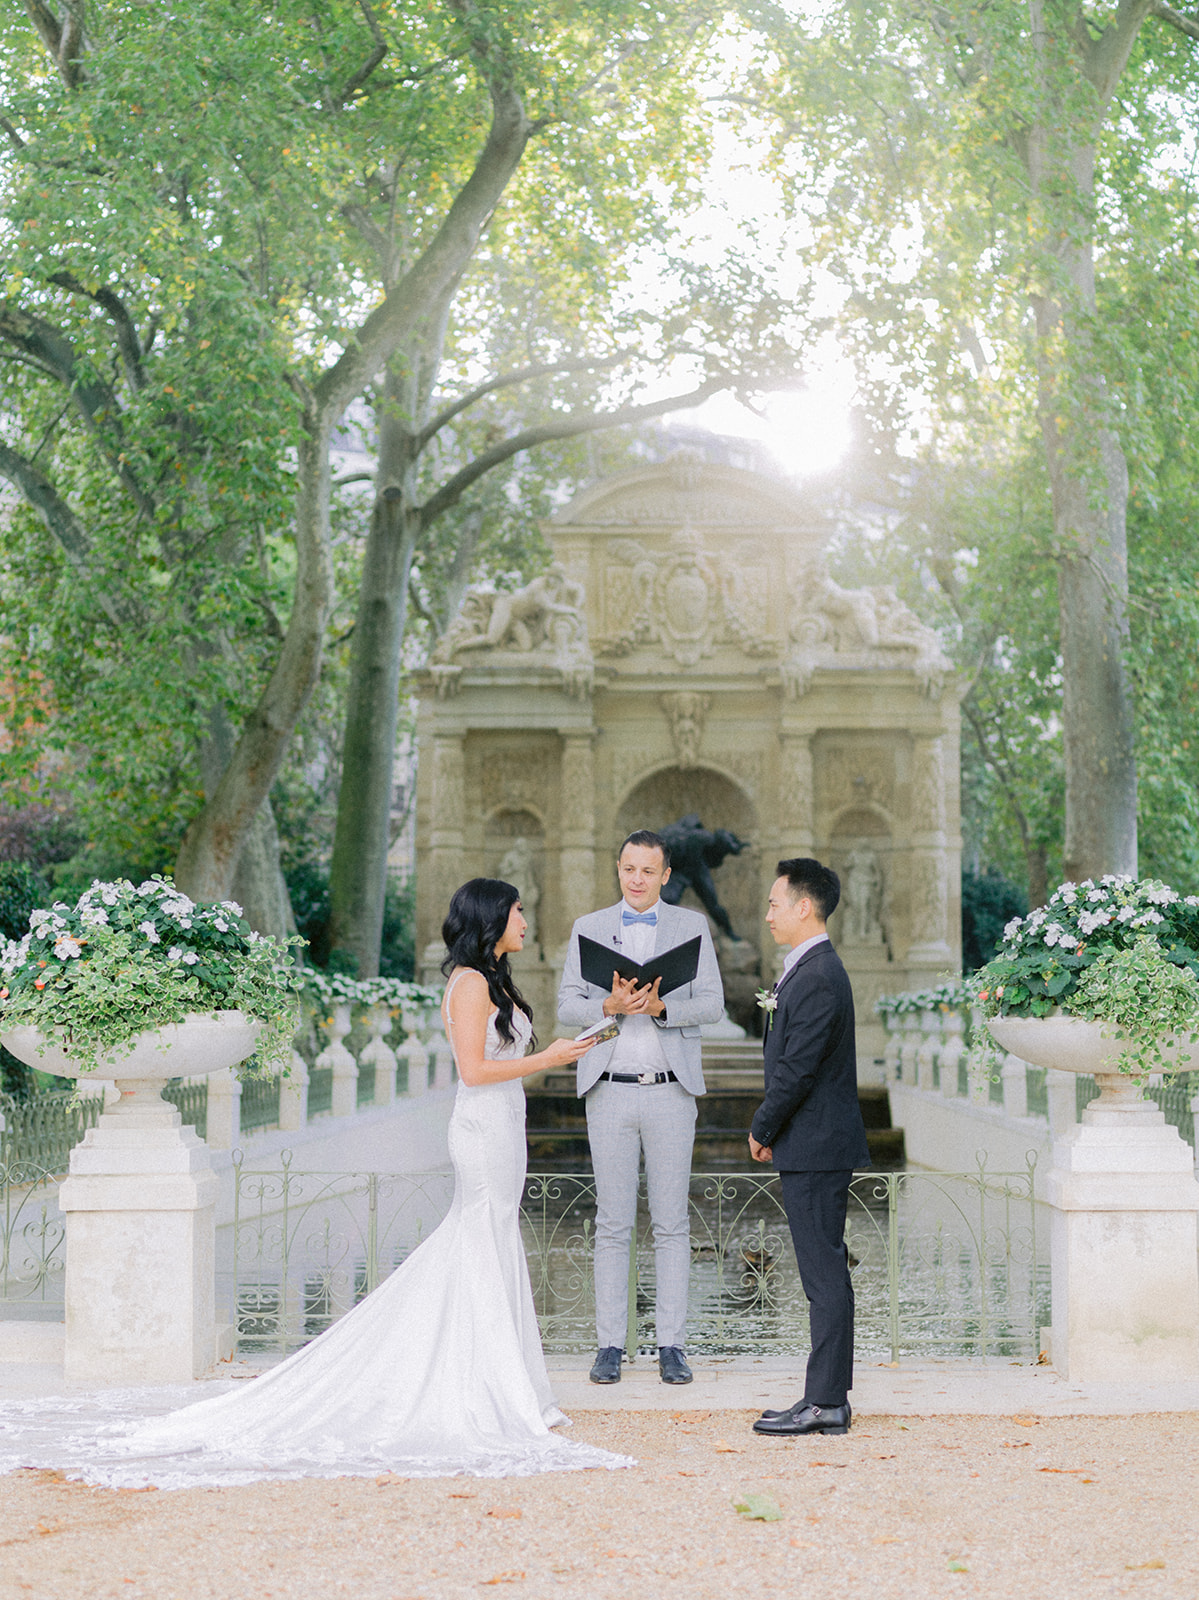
[651,841]
[806,876]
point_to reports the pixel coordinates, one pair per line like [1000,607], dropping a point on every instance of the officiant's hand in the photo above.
[627,1000]
[760,1152]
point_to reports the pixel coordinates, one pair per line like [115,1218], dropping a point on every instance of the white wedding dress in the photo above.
[438,1372]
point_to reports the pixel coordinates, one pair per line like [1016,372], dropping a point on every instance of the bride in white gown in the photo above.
[440,1371]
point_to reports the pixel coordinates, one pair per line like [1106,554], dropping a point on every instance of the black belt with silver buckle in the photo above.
[638,1077]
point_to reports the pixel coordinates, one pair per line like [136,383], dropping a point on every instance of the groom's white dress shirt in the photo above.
[639,1049]
[799,952]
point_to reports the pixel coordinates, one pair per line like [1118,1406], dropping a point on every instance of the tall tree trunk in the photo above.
[1088,476]
[362,837]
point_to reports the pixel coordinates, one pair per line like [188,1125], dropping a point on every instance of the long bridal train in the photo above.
[438,1372]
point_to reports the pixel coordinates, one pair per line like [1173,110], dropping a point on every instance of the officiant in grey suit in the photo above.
[640,1090]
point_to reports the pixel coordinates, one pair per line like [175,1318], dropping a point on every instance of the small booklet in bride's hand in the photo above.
[600,1032]
[675,967]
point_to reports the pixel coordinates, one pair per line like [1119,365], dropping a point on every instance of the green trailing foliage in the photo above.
[1122,951]
[125,960]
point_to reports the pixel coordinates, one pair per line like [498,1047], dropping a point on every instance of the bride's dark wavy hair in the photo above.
[478,915]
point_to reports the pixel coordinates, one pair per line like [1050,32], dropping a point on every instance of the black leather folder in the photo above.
[675,967]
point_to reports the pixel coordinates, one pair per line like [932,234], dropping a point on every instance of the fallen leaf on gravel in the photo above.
[887,1538]
[502,1577]
[958,1566]
[884,1458]
[840,1464]
[684,1473]
[1156,1565]
[146,1488]
[804,1544]
[505,1511]
[462,1494]
[1027,1422]
[725,1448]
[888,1363]
[691,1416]
[1017,1444]
[758,1508]
[1068,1471]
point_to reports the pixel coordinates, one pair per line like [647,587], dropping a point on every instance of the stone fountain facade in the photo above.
[689,652]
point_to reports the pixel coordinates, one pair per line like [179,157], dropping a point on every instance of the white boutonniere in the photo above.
[767,1000]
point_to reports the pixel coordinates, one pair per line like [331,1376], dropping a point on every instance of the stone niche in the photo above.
[688,651]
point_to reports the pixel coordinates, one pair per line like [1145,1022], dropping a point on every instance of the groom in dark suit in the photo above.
[810,1125]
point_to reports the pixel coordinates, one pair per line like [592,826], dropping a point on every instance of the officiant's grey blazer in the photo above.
[581,1003]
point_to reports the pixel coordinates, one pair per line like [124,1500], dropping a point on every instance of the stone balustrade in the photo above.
[1009,1108]
[406,1051]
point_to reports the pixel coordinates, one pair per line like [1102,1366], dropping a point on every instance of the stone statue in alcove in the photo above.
[694,852]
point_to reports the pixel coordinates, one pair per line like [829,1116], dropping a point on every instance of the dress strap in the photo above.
[445,1008]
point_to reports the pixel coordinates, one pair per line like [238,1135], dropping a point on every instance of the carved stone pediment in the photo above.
[542,625]
[833,627]
[685,599]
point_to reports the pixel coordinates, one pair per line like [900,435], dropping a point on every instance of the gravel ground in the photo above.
[1061,1507]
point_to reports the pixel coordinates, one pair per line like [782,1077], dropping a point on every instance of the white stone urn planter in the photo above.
[1123,1221]
[139,1202]
[202,1043]
[1077,1044]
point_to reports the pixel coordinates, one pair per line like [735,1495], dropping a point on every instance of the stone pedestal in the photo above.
[1125,1272]
[140,1271]
[379,1054]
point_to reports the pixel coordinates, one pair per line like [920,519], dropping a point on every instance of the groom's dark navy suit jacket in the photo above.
[810,1117]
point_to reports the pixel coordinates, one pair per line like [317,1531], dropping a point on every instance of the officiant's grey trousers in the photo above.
[624,1119]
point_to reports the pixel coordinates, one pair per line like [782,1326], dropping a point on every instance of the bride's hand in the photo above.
[564,1052]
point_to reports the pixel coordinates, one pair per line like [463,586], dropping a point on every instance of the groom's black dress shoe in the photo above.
[805,1418]
[606,1367]
[672,1364]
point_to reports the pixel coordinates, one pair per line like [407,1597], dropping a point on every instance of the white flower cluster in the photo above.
[1077,911]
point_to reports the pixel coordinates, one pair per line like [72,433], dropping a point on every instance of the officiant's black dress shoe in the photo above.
[805,1418]
[672,1364]
[799,1404]
[606,1367]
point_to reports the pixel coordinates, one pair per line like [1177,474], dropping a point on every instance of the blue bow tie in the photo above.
[627,916]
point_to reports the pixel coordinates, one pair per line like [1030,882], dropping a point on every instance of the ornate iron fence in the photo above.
[191,1099]
[943,1263]
[41,1130]
[31,1235]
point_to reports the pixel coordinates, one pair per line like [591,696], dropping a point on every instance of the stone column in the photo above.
[222,1129]
[293,1095]
[797,796]
[1124,1269]
[336,1056]
[926,1055]
[577,854]
[1014,1073]
[952,1044]
[441,1056]
[928,867]
[141,1261]
[447,838]
[414,1055]
[380,1055]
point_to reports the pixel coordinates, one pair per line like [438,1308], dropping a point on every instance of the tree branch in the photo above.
[507,380]
[128,342]
[63,526]
[385,329]
[10,129]
[63,40]
[54,353]
[570,428]
[356,79]
[1176,19]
